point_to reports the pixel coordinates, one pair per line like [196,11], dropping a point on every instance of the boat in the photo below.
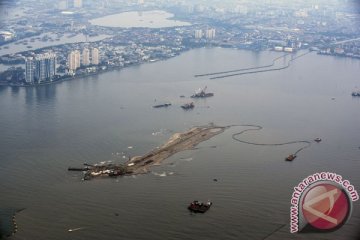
[199,207]
[355,94]
[290,157]
[162,105]
[317,139]
[187,106]
[201,93]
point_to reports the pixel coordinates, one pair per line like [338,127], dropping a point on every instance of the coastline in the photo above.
[79,76]
[112,68]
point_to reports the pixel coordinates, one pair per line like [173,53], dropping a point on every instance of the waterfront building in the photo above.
[95,59]
[77,3]
[6,36]
[86,57]
[210,33]
[198,34]
[62,5]
[74,60]
[45,67]
[29,70]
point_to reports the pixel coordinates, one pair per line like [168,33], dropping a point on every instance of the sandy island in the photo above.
[178,142]
[141,164]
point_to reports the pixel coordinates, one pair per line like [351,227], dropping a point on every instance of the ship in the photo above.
[199,207]
[162,105]
[188,106]
[201,93]
[290,157]
[355,94]
[317,139]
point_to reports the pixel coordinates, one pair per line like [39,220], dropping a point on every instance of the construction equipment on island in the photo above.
[201,93]
[188,106]
[103,169]
[199,207]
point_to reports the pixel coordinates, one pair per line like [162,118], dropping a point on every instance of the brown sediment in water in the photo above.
[177,143]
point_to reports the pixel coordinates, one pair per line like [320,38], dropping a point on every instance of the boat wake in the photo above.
[186,159]
[163,174]
[76,229]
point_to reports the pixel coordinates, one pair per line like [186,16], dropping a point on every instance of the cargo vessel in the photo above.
[188,106]
[162,105]
[199,207]
[290,157]
[355,94]
[201,93]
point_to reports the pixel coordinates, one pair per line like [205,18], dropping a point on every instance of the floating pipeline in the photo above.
[258,128]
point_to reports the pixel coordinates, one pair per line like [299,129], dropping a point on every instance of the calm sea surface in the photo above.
[45,130]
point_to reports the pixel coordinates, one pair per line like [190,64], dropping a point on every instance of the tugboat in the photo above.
[162,105]
[355,94]
[201,93]
[199,207]
[188,106]
[317,139]
[290,157]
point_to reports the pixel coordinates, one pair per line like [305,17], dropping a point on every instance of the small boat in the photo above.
[317,139]
[290,157]
[188,106]
[199,207]
[162,105]
[355,94]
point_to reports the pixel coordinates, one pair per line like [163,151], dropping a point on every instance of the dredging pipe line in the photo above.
[258,128]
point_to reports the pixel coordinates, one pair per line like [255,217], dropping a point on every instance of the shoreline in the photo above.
[109,69]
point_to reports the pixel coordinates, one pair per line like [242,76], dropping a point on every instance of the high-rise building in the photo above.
[78,3]
[210,33]
[29,70]
[198,34]
[45,67]
[95,56]
[62,5]
[74,60]
[69,3]
[86,57]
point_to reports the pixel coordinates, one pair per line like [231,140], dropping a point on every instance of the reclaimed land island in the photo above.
[141,164]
